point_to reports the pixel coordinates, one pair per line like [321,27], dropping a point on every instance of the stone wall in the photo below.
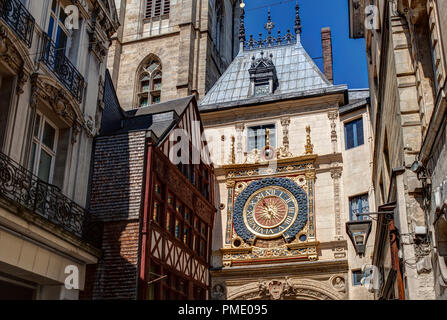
[183,42]
[340,173]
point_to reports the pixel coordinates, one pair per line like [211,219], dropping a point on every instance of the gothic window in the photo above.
[157,8]
[218,25]
[150,81]
[354,133]
[257,137]
[358,204]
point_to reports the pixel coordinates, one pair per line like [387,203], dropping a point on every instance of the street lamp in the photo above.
[358,232]
[242,4]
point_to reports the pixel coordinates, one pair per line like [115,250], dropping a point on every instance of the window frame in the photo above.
[40,145]
[358,197]
[148,92]
[355,137]
[58,24]
[356,282]
[263,125]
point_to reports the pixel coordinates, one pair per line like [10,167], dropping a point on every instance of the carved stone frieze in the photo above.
[336,175]
[287,288]
[48,91]
[333,115]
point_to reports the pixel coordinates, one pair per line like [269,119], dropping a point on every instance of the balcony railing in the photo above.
[55,59]
[18,19]
[28,191]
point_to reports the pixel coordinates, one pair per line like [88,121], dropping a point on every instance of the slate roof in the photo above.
[297,74]
[156,119]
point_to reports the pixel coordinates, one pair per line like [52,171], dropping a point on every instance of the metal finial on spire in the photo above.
[269,25]
[298,26]
[242,26]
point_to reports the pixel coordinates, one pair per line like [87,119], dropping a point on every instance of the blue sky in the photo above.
[349,54]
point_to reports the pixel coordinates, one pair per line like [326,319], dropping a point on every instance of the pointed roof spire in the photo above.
[242,26]
[298,26]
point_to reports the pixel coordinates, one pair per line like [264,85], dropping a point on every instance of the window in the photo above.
[149,86]
[257,137]
[218,26]
[357,276]
[174,287]
[43,152]
[354,133]
[157,8]
[358,204]
[56,27]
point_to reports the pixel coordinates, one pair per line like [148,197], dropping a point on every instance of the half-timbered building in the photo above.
[152,193]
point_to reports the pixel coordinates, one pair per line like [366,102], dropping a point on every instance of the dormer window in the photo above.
[263,79]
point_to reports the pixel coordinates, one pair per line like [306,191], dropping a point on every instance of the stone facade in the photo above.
[50,111]
[406,64]
[309,116]
[184,41]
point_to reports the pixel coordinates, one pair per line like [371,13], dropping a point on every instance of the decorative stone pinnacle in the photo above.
[309,146]
[269,25]
[242,26]
[298,26]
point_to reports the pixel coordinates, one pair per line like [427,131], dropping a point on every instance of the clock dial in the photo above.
[269,212]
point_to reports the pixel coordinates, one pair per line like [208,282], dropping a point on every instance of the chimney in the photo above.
[326,43]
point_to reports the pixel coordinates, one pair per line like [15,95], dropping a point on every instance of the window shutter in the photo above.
[148,8]
[157,9]
[167,7]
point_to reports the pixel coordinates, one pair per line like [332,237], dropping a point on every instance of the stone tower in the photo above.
[166,49]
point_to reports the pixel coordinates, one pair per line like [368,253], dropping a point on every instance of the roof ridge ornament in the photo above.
[298,26]
[270,41]
[242,25]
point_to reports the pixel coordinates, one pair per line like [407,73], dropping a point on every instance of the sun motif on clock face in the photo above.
[270,211]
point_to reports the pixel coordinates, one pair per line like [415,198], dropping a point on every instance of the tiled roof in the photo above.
[295,69]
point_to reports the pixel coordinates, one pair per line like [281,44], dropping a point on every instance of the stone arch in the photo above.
[52,93]
[17,55]
[151,68]
[286,289]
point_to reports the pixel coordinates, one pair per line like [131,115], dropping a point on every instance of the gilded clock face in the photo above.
[270,211]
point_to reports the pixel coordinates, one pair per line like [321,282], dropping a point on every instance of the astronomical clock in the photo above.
[271,212]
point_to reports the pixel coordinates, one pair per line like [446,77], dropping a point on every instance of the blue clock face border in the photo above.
[298,193]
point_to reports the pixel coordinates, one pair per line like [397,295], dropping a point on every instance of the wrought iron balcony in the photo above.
[18,19]
[55,59]
[45,200]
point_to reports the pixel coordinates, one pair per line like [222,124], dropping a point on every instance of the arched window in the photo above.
[218,26]
[149,82]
